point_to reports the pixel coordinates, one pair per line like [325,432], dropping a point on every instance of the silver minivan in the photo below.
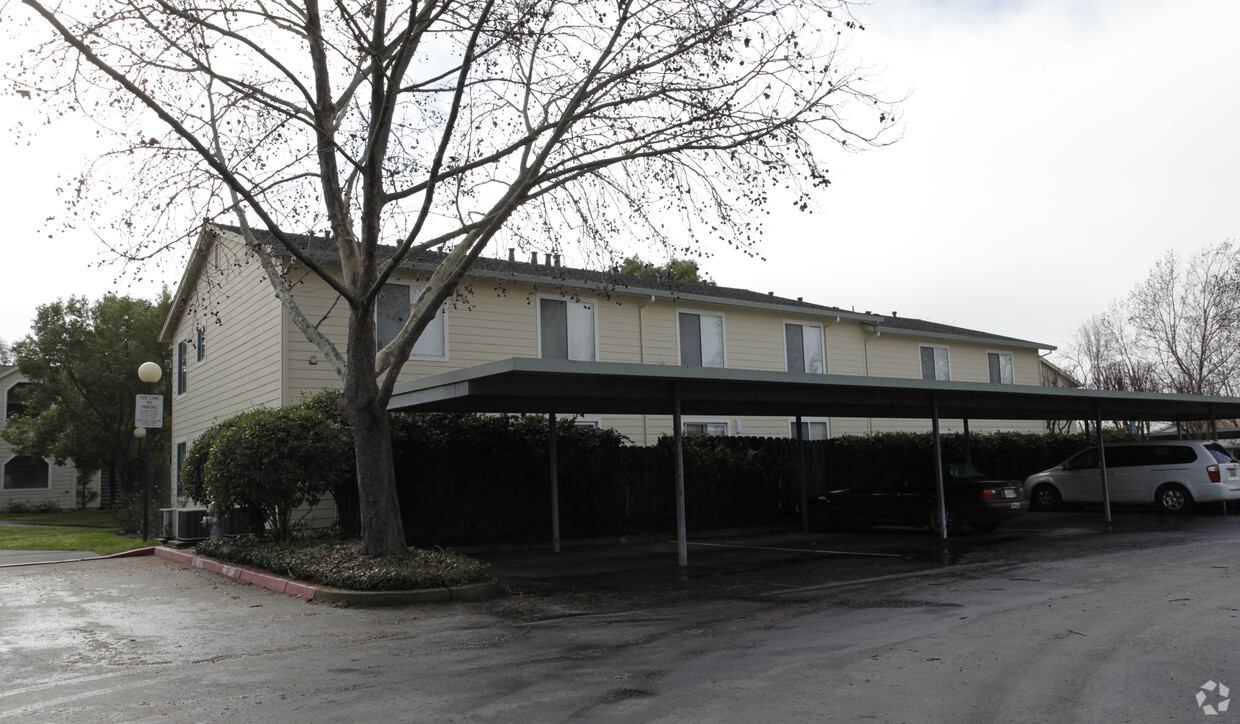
[1172,474]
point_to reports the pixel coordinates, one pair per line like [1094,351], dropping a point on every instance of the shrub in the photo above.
[25,506]
[329,561]
[268,462]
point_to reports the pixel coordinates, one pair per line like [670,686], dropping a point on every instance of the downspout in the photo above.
[865,350]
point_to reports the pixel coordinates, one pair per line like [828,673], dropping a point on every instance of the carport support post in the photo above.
[1102,463]
[682,537]
[938,466]
[968,446]
[555,483]
[804,476]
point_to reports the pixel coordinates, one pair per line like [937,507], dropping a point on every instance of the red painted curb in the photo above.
[262,580]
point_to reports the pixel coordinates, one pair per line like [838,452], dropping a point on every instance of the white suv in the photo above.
[1172,474]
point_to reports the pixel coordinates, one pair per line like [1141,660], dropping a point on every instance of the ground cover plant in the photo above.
[327,560]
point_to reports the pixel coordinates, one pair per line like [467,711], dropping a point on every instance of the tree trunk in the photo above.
[366,412]
[382,531]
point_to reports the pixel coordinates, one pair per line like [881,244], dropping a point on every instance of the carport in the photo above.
[546,386]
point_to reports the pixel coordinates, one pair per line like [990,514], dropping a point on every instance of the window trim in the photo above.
[443,310]
[4,403]
[723,335]
[810,421]
[922,371]
[593,422]
[538,323]
[182,367]
[1012,368]
[200,344]
[178,463]
[727,426]
[822,343]
[11,458]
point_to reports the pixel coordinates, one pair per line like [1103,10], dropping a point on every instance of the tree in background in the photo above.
[1186,315]
[442,125]
[6,353]
[1177,331]
[81,361]
[675,270]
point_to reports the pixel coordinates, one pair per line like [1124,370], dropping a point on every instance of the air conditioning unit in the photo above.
[183,524]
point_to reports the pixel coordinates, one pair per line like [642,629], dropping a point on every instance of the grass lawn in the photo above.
[52,538]
[83,518]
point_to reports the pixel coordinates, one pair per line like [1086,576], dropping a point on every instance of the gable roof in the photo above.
[603,283]
[922,328]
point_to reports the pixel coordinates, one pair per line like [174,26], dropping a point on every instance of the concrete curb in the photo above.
[469,592]
[451,594]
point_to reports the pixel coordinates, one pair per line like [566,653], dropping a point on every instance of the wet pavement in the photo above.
[750,564]
[1056,618]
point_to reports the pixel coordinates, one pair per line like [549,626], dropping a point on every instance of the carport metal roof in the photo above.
[525,385]
[558,386]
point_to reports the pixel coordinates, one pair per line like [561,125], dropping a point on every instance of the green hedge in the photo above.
[475,479]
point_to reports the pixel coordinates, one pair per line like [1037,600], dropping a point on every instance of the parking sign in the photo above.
[149,411]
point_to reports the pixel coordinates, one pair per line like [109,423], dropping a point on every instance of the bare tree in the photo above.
[442,124]
[1187,318]
[1103,355]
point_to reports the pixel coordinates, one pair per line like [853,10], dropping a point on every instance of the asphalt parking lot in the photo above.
[1056,618]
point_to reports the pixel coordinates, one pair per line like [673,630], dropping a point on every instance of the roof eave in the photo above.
[976,339]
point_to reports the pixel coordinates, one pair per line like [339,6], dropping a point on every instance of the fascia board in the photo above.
[998,342]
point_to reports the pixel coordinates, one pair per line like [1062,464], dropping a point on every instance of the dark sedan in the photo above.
[908,497]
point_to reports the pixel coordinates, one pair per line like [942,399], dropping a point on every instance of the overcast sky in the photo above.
[1052,150]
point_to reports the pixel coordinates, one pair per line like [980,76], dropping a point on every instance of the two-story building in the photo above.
[31,481]
[237,348]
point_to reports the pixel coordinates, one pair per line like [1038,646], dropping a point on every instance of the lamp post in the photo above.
[148,412]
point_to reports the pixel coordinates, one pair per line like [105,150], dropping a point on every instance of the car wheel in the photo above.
[1173,498]
[953,520]
[1045,497]
[988,527]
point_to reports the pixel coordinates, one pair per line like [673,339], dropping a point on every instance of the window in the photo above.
[701,340]
[810,429]
[566,330]
[934,363]
[26,473]
[200,344]
[180,462]
[711,429]
[1083,460]
[582,422]
[803,348]
[15,400]
[391,313]
[1000,364]
[182,355]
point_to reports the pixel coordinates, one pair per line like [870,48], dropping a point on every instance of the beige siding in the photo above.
[242,366]
[257,356]
[845,348]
